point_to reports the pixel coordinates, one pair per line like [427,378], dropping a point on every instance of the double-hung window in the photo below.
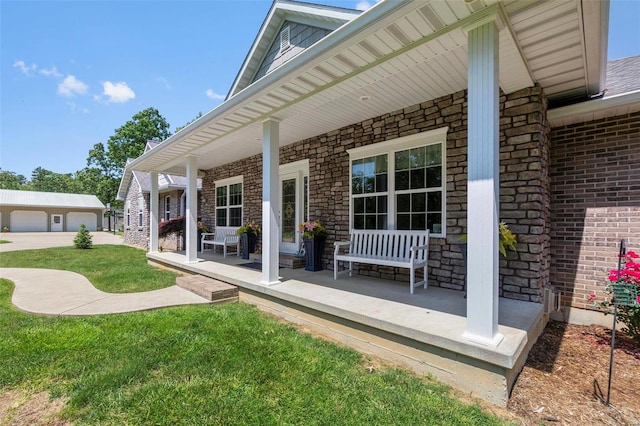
[229,202]
[140,211]
[400,184]
[128,213]
[167,207]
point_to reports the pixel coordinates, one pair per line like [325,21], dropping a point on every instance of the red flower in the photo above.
[632,254]
[591,296]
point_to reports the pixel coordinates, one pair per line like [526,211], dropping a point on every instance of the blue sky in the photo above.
[71,72]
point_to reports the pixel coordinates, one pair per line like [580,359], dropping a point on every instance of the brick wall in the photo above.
[524,188]
[595,195]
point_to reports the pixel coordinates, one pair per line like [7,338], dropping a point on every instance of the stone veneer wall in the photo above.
[595,195]
[136,235]
[524,188]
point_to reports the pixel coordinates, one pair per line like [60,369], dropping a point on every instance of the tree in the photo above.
[48,181]
[186,124]
[130,139]
[11,180]
[106,164]
[83,239]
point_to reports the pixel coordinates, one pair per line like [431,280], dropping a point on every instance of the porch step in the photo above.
[210,289]
[289,261]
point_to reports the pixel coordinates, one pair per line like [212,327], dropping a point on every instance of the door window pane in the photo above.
[289,211]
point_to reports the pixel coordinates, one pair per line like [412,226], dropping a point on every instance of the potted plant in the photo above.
[313,235]
[249,238]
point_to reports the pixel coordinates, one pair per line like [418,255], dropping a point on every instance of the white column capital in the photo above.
[271,120]
[496,17]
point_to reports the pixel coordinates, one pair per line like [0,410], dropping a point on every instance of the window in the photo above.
[128,213]
[140,211]
[167,207]
[285,41]
[400,184]
[229,202]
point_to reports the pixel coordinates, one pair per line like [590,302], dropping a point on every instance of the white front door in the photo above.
[56,223]
[294,180]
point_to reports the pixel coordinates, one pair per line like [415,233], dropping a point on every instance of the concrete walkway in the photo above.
[53,292]
[40,240]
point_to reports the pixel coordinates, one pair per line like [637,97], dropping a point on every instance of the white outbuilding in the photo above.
[32,211]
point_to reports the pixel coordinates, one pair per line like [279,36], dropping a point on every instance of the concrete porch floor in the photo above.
[421,331]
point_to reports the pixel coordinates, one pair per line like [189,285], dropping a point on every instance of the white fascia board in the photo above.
[257,89]
[595,28]
[559,115]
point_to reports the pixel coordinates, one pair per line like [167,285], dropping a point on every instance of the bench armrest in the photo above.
[207,234]
[419,248]
[339,244]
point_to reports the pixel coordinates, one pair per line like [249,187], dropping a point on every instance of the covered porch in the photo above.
[423,332]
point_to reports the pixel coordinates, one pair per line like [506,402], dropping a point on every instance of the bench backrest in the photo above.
[225,231]
[388,243]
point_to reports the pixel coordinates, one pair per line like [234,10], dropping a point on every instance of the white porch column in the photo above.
[153,213]
[191,212]
[483,198]
[270,201]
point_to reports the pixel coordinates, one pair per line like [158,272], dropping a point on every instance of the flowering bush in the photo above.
[629,274]
[313,229]
[202,227]
[249,228]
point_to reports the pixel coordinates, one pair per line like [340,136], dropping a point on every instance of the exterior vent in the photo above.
[285,41]
[551,300]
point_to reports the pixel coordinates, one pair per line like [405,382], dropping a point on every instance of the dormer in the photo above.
[289,28]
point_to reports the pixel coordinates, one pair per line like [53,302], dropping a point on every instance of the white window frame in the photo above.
[390,147]
[128,214]
[140,211]
[167,208]
[228,182]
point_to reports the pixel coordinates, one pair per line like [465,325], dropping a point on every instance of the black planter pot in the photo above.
[199,239]
[313,248]
[248,241]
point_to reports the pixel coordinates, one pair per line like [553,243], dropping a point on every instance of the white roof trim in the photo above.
[594,109]
[330,42]
[281,11]
[596,39]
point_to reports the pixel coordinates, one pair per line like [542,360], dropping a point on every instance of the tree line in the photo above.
[105,164]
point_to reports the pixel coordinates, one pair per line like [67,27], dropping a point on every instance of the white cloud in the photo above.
[213,95]
[24,68]
[117,93]
[76,108]
[164,82]
[53,72]
[71,86]
[363,5]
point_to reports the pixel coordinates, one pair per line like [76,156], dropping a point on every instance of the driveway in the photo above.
[38,240]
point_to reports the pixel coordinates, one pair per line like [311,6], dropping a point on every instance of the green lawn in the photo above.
[200,365]
[4,241]
[111,268]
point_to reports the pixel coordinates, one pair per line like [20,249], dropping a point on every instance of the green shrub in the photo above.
[83,238]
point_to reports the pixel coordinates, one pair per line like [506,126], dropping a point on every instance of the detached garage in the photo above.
[31,211]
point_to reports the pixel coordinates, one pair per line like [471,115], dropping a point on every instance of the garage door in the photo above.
[28,221]
[75,219]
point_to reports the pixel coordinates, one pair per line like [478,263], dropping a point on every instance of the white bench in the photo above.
[403,249]
[224,236]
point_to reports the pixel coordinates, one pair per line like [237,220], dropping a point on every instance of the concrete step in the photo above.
[210,289]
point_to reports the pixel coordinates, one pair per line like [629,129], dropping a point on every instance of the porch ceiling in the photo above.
[396,54]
